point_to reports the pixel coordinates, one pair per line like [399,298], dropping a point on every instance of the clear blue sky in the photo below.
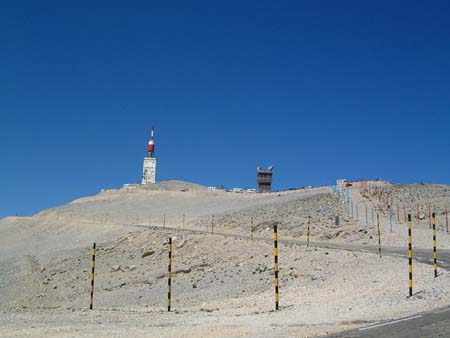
[319,89]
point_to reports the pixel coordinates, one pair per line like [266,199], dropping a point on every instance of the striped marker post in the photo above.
[251,227]
[434,246]
[446,218]
[91,305]
[398,214]
[275,252]
[169,276]
[379,234]
[429,214]
[212,224]
[307,238]
[390,219]
[417,214]
[367,217]
[410,256]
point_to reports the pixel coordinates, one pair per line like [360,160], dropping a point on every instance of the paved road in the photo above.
[433,324]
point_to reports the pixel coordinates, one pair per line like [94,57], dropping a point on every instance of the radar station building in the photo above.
[264,179]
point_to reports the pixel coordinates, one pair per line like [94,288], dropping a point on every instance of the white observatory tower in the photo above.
[149,172]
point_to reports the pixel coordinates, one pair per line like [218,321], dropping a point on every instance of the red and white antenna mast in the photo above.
[149,167]
[151,144]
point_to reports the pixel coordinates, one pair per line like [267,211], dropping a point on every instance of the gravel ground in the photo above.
[222,287]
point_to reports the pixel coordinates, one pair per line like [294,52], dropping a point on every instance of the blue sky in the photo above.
[319,89]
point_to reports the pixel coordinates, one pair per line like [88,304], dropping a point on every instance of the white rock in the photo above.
[116,268]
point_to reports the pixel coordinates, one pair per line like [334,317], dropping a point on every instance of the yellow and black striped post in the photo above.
[379,234]
[434,246]
[275,252]
[251,228]
[410,256]
[169,276]
[307,238]
[92,277]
